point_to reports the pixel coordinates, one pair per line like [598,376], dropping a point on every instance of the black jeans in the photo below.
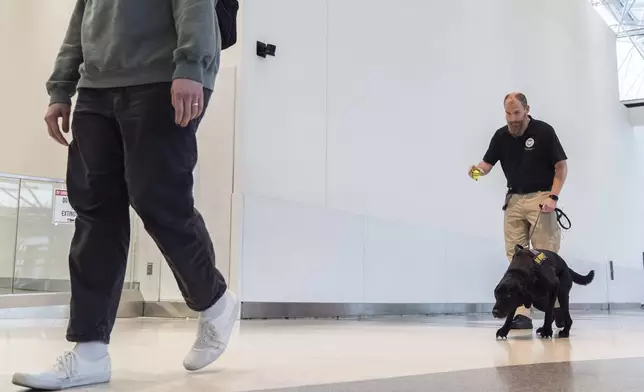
[127,150]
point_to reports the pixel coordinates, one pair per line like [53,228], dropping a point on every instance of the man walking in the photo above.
[535,166]
[145,71]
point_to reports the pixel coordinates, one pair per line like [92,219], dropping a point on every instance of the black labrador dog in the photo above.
[536,278]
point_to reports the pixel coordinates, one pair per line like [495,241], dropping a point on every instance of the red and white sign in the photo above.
[63,211]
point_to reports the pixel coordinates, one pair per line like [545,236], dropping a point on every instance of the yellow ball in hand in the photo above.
[476,174]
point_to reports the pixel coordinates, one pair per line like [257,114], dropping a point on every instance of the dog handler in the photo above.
[534,164]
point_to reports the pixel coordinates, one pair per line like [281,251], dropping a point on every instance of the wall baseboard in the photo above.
[258,310]
[56,306]
[273,310]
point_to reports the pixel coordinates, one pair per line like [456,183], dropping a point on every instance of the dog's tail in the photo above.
[580,279]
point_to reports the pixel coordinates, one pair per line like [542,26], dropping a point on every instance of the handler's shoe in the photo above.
[521,322]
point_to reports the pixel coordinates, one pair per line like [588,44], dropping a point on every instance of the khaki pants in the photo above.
[520,217]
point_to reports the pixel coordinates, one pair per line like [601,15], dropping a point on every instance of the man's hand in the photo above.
[54,113]
[549,205]
[483,167]
[187,100]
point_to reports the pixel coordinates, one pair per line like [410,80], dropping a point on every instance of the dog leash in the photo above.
[560,215]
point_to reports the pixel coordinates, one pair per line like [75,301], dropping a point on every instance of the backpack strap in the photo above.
[226,11]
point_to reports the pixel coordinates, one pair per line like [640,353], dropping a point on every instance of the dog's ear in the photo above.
[518,248]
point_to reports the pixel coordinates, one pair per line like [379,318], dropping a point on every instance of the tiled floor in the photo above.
[410,354]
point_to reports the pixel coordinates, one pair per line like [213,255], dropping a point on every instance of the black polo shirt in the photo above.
[528,161]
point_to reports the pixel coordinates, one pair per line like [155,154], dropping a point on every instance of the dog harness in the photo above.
[539,257]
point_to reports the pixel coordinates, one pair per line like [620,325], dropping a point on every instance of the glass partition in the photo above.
[9,196]
[42,244]
[36,228]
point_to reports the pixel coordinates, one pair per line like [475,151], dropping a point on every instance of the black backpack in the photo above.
[227,17]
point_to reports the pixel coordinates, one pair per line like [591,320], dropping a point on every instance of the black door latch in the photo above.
[264,50]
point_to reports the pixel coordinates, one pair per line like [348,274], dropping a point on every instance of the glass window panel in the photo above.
[8,220]
[42,246]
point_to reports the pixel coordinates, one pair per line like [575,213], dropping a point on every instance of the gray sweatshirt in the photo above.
[118,43]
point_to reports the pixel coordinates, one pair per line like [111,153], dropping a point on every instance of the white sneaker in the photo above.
[213,333]
[70,371]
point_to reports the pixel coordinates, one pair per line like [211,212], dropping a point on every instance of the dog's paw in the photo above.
[545,332]
[563,334]
[502,333]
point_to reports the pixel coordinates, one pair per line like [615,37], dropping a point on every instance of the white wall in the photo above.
[354,142]
[636,115]
[31,32]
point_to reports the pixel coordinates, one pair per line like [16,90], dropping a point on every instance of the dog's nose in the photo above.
[496,313]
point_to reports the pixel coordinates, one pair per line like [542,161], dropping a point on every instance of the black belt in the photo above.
[525,191]
[521,191]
